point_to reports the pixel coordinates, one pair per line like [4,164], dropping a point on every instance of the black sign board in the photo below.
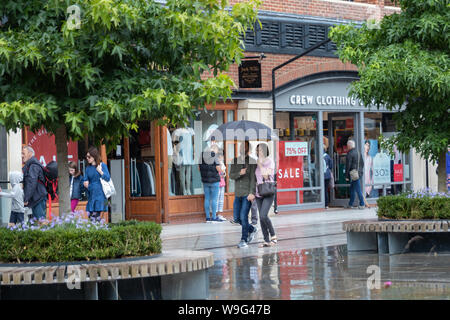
[250,74]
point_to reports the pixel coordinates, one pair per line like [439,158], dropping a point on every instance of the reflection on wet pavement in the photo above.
[310,261]
[329,273]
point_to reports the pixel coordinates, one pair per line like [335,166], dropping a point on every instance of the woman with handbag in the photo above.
[265,193]
[95,171]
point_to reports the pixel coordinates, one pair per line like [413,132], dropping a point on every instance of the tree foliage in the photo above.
[405,64]
[129,60]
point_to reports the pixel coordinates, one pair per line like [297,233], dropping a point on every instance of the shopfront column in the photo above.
[321,166]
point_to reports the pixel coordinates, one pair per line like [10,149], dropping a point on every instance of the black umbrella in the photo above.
[242,130]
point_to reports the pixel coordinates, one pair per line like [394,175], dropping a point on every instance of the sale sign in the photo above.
[290,171]
[398,172]
[44,147]
[295,149]
[381,169]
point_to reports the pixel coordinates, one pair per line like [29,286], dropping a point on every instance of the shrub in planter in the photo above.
[76,239]
[422,205]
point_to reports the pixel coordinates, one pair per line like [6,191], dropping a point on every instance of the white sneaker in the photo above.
[221,218]
[252,235]
[242,244]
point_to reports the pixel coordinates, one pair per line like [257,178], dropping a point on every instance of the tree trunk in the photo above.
[442,173]
[63,170]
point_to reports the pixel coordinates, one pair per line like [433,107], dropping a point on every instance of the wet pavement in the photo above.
[310,261]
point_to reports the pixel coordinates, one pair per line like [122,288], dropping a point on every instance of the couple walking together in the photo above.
[247,174]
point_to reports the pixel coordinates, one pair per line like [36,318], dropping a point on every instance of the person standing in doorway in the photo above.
[34,191]
[264,172]
[91,181]
[354,169]
[327,167]
[243,173]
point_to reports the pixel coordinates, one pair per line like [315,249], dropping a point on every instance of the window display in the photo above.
[383,173]
[142,161]
[298,172]
[184,173]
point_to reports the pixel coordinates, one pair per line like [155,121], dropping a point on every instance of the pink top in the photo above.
[222,175]
[268,167]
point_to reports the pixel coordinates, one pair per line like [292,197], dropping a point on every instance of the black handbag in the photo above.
[267,188]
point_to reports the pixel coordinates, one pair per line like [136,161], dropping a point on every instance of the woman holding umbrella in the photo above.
[243,170]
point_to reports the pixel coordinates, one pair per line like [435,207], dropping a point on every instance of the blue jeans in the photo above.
[39,209]
[355,186]
[211,191]
[241,208]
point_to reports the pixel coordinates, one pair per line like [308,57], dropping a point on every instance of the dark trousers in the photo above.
[327,194]
[16,217]
[39,210]
[264,205]
[241,208]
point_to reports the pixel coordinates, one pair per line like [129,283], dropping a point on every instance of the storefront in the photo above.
[315,115]
[162,177]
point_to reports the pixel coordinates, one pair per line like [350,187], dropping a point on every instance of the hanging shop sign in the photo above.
[290,172]
[250,74]
[381,169]
[44,147]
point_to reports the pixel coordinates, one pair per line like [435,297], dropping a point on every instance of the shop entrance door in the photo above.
[341,128]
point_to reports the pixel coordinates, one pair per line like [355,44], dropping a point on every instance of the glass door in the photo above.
[341,128]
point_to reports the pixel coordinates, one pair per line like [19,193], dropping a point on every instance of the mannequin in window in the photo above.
[368,169]
[170,160]
[186,158]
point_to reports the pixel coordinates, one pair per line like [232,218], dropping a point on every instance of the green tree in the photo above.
[98,70]
[404,62]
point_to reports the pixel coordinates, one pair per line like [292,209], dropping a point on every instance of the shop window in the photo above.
[298,171]
[383,173]
[142,161]
[183,156]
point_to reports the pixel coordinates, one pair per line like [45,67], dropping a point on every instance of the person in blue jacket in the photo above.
[76,185]
[97,202]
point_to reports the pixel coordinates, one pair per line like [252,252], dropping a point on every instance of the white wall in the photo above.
[14,151]
[259,111]
[419,173]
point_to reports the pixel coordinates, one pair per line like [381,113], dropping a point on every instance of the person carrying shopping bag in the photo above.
[96,170]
